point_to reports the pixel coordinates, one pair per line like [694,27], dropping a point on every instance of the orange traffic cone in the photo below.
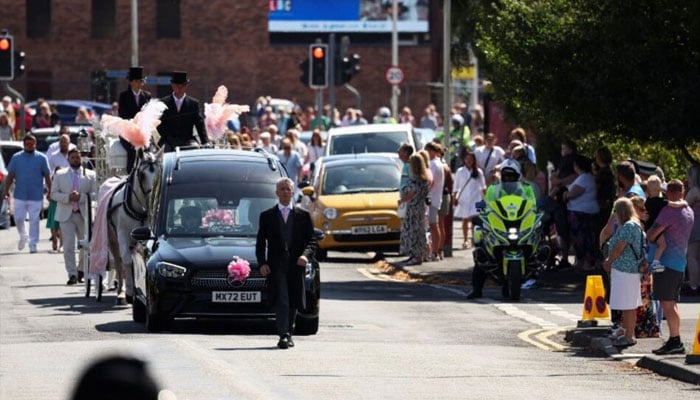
[594,305]
[694,356]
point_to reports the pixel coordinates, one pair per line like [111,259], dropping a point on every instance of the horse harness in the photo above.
[128,184]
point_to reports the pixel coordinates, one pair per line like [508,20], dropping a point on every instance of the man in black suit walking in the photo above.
[182,116]
[130,102]
[284,245]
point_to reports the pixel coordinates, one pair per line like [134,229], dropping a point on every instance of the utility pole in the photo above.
[446,74]
[134,33]
[332,55]
[395,91]
[473,61]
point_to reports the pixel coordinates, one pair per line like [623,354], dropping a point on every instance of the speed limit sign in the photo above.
[394,75]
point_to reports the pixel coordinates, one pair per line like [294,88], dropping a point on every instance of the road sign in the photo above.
[394,75]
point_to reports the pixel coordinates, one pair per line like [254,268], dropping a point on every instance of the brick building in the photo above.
[68,43]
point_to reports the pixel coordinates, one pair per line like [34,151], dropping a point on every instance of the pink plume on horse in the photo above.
[118,126]
[138,130]
[220,95]
[218,112]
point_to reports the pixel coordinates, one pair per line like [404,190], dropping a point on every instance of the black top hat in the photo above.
[179,77]
[135,74]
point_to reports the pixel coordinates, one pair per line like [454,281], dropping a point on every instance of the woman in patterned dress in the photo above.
[413,240]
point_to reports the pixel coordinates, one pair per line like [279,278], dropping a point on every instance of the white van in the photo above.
[370,138]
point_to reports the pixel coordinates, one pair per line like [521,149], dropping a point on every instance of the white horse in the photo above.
[129,209]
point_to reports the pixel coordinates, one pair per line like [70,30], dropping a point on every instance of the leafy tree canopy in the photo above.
[630,69]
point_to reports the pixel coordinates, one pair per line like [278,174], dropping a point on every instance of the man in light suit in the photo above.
[70,189]
[181,118]
[285,243]
[130,102]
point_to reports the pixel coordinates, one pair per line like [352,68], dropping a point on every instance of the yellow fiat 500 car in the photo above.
[353,200]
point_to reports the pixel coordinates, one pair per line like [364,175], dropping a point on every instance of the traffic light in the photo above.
[19,63]
[7,68]
[346,68]
[304,66]
[318,69]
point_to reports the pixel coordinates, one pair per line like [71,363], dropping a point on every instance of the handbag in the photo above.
[402,210]
[462,189]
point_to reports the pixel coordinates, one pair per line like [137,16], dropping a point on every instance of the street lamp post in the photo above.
[446,74]
[134,33]
[394,57]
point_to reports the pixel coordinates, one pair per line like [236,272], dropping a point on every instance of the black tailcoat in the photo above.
[270,249]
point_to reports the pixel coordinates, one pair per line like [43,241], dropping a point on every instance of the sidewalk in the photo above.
[457,270]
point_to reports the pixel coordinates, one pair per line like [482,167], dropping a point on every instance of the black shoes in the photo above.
[285,342]
[79,279]
[474,295]
[672,346]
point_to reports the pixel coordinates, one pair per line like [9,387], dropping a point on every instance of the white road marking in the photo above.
[538,337]
[515,311]
[559,312]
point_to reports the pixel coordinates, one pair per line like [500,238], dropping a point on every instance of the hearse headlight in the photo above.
[168,270]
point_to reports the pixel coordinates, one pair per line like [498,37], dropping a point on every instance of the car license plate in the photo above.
[368,229]
[235,297]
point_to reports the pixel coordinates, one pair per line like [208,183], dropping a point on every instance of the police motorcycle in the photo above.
[508,241]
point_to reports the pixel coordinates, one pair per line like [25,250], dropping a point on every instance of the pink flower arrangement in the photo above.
[238,269]
[217,216]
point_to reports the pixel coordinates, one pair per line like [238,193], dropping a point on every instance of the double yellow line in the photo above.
[540,338]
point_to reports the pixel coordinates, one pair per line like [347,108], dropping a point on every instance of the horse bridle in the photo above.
[138,169]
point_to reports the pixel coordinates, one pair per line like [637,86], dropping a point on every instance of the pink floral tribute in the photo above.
[238,269]
[217,217]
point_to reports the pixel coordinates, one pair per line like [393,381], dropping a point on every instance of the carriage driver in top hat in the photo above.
[130,102]
[182,116]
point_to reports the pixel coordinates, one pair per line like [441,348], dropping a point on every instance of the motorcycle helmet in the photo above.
[457,120]
[510,171]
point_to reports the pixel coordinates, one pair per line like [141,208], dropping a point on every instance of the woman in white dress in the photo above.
[623,265]
[469,189]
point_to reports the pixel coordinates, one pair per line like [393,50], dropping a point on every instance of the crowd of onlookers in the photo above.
[639,229]
[45,115]
[604,211]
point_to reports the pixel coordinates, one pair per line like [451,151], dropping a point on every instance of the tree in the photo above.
[563,68]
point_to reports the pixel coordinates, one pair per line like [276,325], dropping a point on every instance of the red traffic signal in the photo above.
[318,52]
[7,68]
[318,68]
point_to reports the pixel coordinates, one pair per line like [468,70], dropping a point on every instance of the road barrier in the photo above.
[594,305]
[694,356]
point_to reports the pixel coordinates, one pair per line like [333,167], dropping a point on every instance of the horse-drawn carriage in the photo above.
[123,200]
[122,196]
